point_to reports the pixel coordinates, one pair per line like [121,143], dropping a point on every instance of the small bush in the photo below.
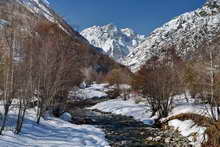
[213,133]
[203,13]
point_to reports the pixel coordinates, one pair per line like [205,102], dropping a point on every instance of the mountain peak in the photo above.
[116,42]
[110,26]
[129,32]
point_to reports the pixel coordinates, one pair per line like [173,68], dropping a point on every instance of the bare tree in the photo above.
[56,65]
[118,77]
[158,81]
[202,77]
[8,71]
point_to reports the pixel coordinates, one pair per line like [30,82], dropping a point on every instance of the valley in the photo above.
[106,85]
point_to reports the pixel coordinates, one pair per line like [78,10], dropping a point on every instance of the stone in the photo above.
[149,139]
[167,140]
[158,138]
[142,133]
[124,142]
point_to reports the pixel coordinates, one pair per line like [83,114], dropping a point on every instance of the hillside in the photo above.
[27,14]
[186,33]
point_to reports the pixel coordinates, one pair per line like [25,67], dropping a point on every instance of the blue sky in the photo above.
[143,16]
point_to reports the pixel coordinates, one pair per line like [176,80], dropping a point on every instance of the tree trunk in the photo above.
[5,117]
[18,119]
[21,121]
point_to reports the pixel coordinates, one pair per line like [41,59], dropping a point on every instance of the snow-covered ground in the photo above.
[59,132]
[93,91]
[188,128]
[52,132]
[189,105]
[140,111]
[191,130]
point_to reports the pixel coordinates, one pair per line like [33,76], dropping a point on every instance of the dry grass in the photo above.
[212,131]
[198,119]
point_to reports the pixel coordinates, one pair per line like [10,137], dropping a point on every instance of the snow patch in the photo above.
[190,130]
[93,91]
[140,112]
[51,132]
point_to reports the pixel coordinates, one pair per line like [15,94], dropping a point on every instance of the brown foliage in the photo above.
[159,81]
[198,119]
[213,133]
[118,76]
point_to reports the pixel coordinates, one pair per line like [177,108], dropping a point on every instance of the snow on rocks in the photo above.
[3,23]
[186,33]
[139,112]
[115,42]
[190,130]
[39,7]
[50,133]
[66,116]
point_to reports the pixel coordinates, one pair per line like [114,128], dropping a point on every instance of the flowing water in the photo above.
[121,131]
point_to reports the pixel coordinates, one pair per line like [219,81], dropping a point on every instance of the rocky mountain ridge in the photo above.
[185,33]
[115,42]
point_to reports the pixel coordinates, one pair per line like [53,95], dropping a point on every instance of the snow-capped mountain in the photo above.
[115,42]
[185,33]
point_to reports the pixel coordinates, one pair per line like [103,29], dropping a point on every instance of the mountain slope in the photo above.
[115,42]
[42,9]
[185,33]
[27,14]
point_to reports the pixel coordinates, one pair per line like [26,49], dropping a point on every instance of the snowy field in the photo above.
[139,112]
[93,91]
[52,132]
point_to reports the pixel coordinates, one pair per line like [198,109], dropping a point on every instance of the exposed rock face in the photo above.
[185,33]
[115,42]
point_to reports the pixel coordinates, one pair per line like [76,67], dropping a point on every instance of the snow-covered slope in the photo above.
[117,43]
[30,14]
[186,33]
[42,8]
[52,132]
